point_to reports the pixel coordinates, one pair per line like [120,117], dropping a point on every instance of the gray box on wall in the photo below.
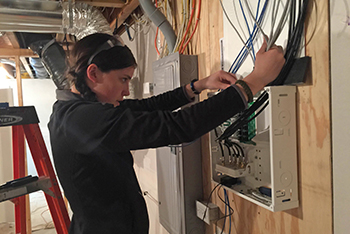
[179,168]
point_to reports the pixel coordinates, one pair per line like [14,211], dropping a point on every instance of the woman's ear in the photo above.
[91,72]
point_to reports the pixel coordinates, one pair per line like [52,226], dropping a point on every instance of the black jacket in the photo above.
[91,145]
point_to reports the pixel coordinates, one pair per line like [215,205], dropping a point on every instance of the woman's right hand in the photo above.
[268,65]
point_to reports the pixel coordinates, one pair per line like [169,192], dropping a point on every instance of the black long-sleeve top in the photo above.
[91,145]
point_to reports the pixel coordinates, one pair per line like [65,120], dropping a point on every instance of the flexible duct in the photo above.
[78,19]
[84,20]
[160,21]
[39,16]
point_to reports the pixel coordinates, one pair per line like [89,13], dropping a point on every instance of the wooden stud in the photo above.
[26,66]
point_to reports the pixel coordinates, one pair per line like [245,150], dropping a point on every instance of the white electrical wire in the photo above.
[183,26]
[256,22]
[238,34]
[283,20]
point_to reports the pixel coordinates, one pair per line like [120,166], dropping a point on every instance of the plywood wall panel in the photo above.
[314,216]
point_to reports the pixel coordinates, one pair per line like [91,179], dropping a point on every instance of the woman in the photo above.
[93,129]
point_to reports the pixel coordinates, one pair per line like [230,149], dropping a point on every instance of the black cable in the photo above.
[293,45]
[239,148]
[291,19]
[220,144]
[259,112]
[116,27]
[236,151]
[66,41]
[211,193]
[243,118]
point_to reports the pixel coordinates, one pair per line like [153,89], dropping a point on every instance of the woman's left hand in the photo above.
[217,80]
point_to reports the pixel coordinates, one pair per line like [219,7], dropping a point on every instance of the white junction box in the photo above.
[208,212]
[265,168]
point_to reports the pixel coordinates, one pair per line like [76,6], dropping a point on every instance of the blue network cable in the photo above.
[244,52]
[243,56]
[250,34]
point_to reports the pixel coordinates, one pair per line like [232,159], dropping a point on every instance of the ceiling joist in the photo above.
[125,13]
[8,53]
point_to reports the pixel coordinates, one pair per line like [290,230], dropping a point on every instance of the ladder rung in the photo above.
[9,191]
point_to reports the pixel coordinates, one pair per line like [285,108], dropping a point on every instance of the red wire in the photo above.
[188,25]
[195,27]
[155,39]
[155,42]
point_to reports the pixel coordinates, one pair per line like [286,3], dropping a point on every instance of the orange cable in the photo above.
[155,39]
[188,25]
[195,27]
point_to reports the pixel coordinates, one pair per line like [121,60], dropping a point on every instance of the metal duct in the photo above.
[39,16]
[30,16]
[78,19]
[53,58]
[81,19]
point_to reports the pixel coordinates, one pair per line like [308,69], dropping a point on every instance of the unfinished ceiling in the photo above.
[20,19]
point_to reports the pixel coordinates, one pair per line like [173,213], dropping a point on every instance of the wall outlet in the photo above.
[148,88]
[207,211]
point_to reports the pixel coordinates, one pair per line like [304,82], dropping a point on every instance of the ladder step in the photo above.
[19,182]
[25,185]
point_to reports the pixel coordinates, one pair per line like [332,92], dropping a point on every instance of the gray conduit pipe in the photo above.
[160,21]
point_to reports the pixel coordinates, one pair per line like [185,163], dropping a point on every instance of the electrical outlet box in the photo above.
[267,170]
[207,212]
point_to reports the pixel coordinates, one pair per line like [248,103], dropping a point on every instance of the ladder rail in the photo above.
[24,122]
[19,172]
[44,167]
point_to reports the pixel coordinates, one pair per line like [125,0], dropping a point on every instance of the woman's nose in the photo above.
[126,91]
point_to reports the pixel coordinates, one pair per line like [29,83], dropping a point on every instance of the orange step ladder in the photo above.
[24,122]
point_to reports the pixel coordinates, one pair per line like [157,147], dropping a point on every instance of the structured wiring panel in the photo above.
[263,168]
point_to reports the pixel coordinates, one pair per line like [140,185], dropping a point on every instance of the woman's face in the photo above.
[111,87]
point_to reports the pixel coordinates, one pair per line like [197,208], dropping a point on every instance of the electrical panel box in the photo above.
[179,168]
[265,168]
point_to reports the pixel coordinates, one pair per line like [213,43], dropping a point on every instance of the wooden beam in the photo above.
[125,13]
[12,38]
[17,52]
[19,81]
[27,67]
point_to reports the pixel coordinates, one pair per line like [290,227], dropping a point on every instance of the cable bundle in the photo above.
[248,45]
[294,38]
[295,32]
[184,36]
[244,118]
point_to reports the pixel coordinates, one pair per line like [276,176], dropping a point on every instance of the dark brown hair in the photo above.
[117,57]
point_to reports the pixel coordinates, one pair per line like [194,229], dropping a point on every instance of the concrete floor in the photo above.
[45,231]
[8,228]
